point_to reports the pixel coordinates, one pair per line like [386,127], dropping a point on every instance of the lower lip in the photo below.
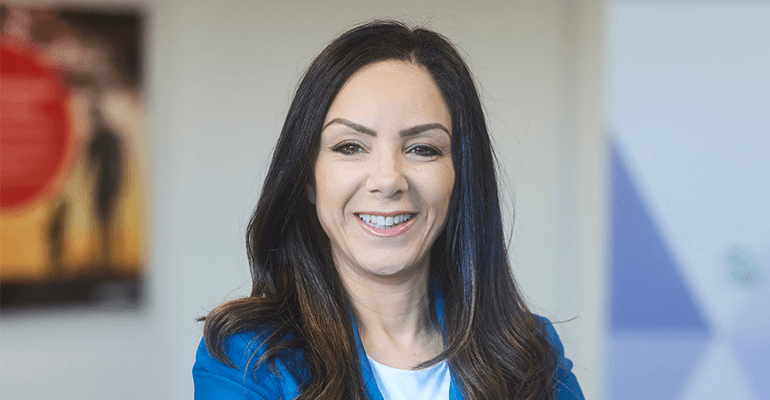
[387,232]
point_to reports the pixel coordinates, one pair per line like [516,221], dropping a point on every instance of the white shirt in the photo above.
[402,384]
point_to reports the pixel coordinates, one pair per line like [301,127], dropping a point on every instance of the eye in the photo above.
[425,151]
[347,148]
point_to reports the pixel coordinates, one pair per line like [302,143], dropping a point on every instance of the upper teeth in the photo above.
[381,221]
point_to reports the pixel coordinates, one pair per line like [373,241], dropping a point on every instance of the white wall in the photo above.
[220,81]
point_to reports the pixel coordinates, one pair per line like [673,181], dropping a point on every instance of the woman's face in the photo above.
[384,172]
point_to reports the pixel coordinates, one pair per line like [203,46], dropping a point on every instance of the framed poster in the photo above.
[72,156]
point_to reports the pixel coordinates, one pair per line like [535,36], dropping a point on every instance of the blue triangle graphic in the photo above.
[646,289]
[656,366]
[753,353]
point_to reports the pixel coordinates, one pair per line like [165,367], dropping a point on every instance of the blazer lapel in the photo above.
[370,384]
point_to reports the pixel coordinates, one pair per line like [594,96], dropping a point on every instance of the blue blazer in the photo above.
[215,380]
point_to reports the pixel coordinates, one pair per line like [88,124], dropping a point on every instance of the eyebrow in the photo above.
[415,130]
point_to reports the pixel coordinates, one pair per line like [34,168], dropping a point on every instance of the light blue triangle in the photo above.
[646,289]
[651,366]
[718,375]
[750,338]
[753,354]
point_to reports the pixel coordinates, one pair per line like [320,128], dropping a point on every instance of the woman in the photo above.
[377,251]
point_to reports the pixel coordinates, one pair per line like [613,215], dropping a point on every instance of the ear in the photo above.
[310,192]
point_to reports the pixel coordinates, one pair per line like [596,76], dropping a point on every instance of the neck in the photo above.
[394,315]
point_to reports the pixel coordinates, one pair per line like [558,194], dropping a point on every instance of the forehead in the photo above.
[389,89]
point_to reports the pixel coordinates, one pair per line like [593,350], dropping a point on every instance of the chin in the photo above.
[391,270]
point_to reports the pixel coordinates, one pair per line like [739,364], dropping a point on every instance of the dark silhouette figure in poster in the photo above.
[56,234]
[105,160]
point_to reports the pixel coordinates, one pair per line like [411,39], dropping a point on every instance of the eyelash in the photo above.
[344,148]
[432,150]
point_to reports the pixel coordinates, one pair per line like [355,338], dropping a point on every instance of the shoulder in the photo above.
[567,387]
[277,379]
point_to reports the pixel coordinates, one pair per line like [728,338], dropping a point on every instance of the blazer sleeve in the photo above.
[215,380]
[565,382]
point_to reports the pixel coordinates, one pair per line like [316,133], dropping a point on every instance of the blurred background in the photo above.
[631,138]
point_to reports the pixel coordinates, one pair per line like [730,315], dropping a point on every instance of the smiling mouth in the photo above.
[384,222]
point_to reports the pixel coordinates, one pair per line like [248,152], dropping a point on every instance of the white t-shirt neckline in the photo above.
[402,384]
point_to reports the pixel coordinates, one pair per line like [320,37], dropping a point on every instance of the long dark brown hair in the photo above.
[495,347]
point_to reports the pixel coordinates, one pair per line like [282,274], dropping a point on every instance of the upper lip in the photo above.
[385,214]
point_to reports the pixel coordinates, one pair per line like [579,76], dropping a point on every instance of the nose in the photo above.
[386,176]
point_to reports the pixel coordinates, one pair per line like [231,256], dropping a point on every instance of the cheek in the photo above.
[325,176]
[447,182]
[335,185]
[446,194]
[450,182]
[440,188]
[322,205]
